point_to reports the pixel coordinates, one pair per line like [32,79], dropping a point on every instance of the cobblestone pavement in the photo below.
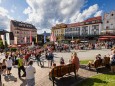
[41,75]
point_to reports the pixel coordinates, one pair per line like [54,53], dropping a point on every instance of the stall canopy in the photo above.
[106,37]
[103,38]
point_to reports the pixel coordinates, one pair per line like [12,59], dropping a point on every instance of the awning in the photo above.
[103,38]
[107,36]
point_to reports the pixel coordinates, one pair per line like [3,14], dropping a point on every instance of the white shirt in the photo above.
[9,63]
[30,71]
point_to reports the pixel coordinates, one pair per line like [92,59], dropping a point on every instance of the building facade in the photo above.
[59,31]
[109,23]
[23,33]
[89,27]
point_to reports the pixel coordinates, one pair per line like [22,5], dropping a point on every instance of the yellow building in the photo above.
[59,31]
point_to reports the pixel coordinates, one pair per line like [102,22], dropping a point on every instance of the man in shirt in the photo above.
[30,72]
[21,67]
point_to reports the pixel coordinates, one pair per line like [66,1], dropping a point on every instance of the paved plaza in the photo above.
[41,76]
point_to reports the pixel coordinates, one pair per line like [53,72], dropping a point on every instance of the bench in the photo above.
[60,71]
[106,62]
[100,62]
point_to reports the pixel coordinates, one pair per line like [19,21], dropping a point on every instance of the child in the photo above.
[62,61]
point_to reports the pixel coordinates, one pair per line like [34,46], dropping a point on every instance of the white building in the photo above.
[109,23]
[91,26]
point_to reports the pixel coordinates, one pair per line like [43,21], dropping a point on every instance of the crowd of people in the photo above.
[81,46]
[23,59]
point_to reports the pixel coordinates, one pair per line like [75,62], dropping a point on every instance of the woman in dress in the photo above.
[75,60]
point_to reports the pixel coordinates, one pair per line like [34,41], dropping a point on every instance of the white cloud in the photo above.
[78,17]
[3,11]
[4,19]
[98,13]
[12,10]
[46,13]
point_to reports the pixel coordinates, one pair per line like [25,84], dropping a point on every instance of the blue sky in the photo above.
[46,13]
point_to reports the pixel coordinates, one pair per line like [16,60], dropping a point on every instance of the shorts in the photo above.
[30,82]
[3,67]
[9,68]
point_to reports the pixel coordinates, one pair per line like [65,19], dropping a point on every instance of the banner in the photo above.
[52,37]
[15,40]
[3,39]
[36,39]
[25,39]
[30,37]
[44,36]
[8,38]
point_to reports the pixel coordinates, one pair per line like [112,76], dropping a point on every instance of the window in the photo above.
[107,27]
[107,21]
[85,30]
[87,22]
[93,21]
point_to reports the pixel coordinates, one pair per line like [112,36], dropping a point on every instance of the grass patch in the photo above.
[84,61]
[99,80]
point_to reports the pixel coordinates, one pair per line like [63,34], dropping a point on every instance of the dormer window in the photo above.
[112,14]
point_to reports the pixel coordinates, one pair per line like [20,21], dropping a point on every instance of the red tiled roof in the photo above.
[93,19]
[74,24]
[82,23]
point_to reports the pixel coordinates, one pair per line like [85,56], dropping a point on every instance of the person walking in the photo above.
[37,56]
[30,72]
[9,65]
[21,67]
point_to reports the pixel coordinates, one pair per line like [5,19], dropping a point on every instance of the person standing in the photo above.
[50,58]
[4,66]
[9,65]
[30,72]
[21,67]
[75,60]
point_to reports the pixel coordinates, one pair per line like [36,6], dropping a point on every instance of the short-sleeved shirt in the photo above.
[9,63]
[30,71]
[20,62]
